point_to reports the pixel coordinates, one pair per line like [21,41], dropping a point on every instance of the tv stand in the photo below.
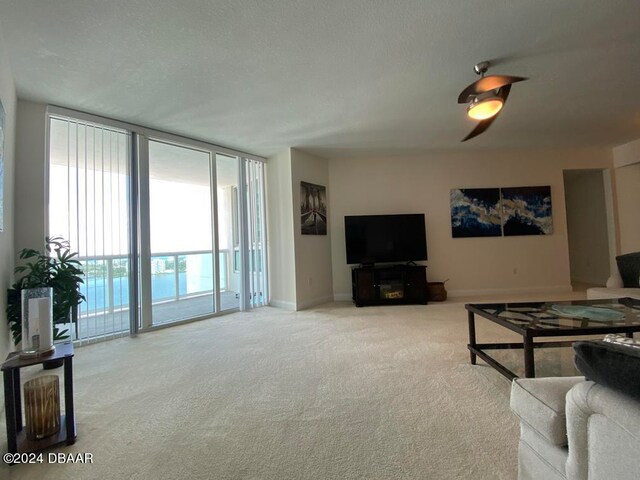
[389,285]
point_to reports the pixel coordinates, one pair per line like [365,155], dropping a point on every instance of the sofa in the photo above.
[575,429]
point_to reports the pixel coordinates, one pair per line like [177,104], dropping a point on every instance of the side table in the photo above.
[17,441]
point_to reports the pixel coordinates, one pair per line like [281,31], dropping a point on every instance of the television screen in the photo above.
[385,238]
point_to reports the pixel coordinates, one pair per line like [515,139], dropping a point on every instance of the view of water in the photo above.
[196,279]
[163,287]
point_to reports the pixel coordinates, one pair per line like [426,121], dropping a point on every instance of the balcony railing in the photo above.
[174,276]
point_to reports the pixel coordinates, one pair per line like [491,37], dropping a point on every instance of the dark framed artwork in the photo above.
[526,211]
[313,209]
[475,212]
[2,129]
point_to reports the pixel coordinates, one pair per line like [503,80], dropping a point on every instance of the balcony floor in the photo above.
[165,312]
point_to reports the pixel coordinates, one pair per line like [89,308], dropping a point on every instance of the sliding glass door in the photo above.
[182,264]
[167,229]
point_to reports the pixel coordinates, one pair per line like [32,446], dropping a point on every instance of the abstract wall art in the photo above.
[526,211]
[495,212]
[475,212]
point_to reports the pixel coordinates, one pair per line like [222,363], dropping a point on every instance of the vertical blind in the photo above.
[88,206]
[256,228]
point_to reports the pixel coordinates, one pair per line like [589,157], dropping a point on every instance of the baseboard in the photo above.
[511,291]
[284,305]
[313,302]
[342,297]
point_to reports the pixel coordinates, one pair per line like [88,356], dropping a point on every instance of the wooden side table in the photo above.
[17,441]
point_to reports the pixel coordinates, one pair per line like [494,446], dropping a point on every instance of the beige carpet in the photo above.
[330,393]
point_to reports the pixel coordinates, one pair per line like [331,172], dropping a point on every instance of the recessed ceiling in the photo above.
[332,77]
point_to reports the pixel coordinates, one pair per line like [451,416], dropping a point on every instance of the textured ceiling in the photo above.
[335,77]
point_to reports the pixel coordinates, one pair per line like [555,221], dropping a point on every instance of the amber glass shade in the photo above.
[486,108]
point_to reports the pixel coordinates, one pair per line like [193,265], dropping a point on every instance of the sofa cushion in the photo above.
[539,403]
[611,364]
[629,267]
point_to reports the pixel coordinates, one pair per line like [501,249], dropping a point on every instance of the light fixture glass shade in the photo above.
[485,108]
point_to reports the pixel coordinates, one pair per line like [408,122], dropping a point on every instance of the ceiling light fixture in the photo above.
[486,97]
[487,107]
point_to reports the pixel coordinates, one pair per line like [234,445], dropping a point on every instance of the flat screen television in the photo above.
[385,238]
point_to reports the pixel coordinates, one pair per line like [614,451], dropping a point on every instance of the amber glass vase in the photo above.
[42,407]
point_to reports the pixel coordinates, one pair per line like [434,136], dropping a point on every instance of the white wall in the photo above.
[300,273]
[280,235]
[7,246]
[314,280]
[628,201]
[587,226]
[626,154]
[30,174]
[418,184]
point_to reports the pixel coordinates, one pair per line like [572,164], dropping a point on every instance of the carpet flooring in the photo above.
[334,392]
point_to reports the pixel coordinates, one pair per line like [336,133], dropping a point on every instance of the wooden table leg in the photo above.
[10,410]
[472,335]
[17,385]
[529,367]
[68,401]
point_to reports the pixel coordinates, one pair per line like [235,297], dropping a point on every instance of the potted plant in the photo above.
[56,268]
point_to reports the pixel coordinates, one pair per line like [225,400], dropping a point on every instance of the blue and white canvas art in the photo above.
[475,212]
[526,211]
[2,128]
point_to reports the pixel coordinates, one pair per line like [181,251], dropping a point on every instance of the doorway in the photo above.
[587,227]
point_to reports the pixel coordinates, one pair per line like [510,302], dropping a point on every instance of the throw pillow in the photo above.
[611,364]
[621,340]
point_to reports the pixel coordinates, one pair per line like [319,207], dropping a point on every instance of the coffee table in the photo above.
[541,319]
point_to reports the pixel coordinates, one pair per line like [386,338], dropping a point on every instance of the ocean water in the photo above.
[198,278]
[163,287]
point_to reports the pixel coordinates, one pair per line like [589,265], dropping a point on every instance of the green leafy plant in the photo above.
[56,268]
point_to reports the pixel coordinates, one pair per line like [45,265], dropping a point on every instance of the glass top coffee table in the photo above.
[550,319]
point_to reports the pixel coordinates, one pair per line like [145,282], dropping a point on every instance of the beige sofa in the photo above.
[599,293]
[575,429]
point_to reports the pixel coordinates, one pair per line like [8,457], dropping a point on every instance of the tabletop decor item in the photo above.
[37,322]
[588,312]
[42,407]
